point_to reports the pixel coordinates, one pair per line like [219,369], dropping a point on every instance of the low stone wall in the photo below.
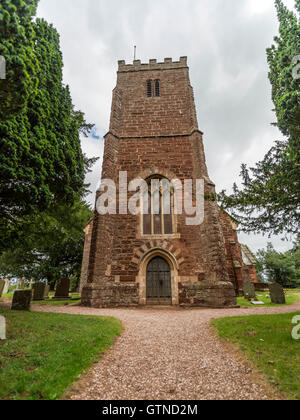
[202,294]
[207,294]
[110,295]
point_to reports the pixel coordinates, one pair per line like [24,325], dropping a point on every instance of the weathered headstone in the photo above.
[2,284]
[277,294]
[2,328]
[38,291]
[22,300]
[47,291]
[62,289]
[249,289]
[6,287]
[22,283]
[31,283]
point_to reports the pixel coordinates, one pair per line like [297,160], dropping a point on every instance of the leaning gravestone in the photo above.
[22,300]
[62,289]
[47,291]
[6,287]
[38,291]
[277,294]
[2,284]
[249,289]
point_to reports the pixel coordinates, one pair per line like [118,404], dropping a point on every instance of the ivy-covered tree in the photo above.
[41,162]
[270,195]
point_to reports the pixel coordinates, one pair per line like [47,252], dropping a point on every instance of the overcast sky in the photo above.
[225,41]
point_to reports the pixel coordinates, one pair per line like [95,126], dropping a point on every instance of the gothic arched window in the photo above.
[158,207]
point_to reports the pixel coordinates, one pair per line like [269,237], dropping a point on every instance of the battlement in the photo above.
[137,65]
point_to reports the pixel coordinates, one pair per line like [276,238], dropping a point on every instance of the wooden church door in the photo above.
[158,280]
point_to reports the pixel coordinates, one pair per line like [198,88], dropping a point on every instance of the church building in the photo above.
[155,257]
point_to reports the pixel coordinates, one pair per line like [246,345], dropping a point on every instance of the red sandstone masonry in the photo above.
[86,256]
[237,269]
[156,136]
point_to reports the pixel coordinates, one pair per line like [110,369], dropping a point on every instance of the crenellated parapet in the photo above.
[153,64]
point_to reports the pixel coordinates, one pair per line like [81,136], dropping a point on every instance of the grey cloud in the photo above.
[225,41]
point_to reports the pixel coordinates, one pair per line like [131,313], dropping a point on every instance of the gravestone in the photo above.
[62,289]
[6,287]
[2,328]
[47,291]
[22,300]
[277,294]
[22,284]
[2,284]
[249,289]
[31,283]
[38,291]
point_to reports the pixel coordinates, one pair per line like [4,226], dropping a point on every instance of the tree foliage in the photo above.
[270,195]
[51,245]
[17,47]
[282,268]
[41,161]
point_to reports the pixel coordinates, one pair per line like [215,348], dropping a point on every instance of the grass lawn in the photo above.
[267,341]
[289,300]
[74,301]
[46,353]
[292,291]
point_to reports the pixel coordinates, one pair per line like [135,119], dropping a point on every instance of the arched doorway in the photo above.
[159,288]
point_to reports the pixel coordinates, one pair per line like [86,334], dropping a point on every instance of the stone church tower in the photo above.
[132,260]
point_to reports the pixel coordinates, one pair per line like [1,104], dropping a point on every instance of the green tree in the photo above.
[270,195]
[282,268]
[17,47]
[41,162]
[51,245]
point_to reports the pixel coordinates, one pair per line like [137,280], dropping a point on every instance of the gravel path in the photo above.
[170,354]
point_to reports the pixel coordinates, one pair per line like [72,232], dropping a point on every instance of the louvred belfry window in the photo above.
[149,88]
[157,88]
[158,219]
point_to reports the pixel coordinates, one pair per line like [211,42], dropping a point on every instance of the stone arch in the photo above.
[154,170]
[140,253]
[142,270]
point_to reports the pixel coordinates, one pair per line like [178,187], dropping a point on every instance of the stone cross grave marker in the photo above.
[277,294]
[249,290]
[62,289]
[22,300]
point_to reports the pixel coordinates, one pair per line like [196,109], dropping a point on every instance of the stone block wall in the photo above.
[86,256]
[239,270]
[155,136]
